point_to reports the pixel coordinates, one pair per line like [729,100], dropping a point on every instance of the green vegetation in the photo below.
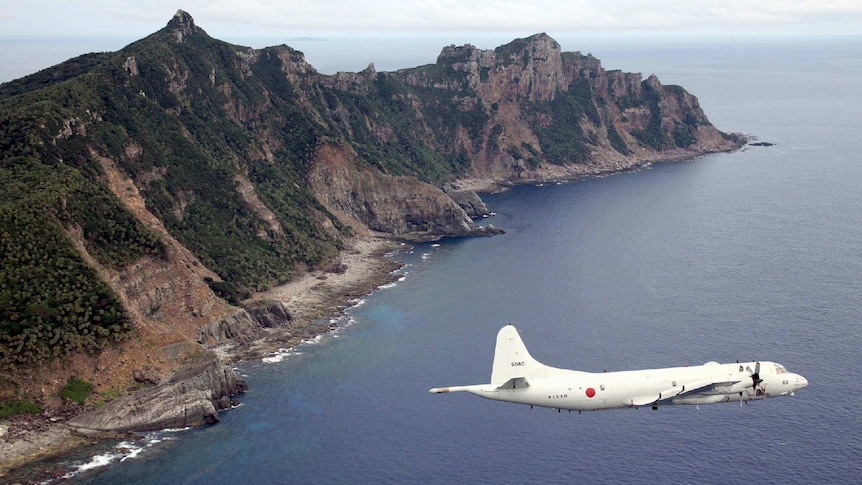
[563,140]
[11,408]
[515,48]
[183,127]
[227,290]
[535,157]
[193,124]
[51,302]
[494,139]
[421,141]
[684,135]
[76,390]
[514,152]
[107,395]
[617,141]
[653,135]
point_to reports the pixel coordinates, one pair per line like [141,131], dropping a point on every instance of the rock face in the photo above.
[401,206]
[528,69]
[468,199]
[191,396]
[554,114]
[157,292]
[249,167]
[245,325]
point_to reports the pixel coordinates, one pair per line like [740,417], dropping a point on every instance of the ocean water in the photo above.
[755,254]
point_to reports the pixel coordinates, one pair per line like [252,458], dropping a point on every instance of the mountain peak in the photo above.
[182,25]
[540,36]
[184,17]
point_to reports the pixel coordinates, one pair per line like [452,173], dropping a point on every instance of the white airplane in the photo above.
[517,377]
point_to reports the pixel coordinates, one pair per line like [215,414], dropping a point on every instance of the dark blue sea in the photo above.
[755,254]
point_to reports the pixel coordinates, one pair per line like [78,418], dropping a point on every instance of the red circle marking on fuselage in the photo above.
[591,392]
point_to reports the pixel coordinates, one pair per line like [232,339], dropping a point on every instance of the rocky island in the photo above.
[185,202]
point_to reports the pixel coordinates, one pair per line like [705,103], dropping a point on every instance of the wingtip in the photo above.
[438,390]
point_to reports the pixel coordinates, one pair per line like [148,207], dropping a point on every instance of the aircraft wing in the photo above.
[687,388]
[653,398]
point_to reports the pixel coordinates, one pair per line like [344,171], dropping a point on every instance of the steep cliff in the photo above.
[191,396]
[146,193]
[557,114]
[401,206]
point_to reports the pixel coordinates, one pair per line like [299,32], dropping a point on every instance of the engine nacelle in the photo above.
[741,386]
[736,387]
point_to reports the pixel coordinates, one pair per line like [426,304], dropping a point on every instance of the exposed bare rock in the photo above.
[468,199]
[191,396]
[160,293]
[145,376]
[401,206]
[271,314]
[182,26]
[245,325]
[526,69]
[619,108]
[249,195]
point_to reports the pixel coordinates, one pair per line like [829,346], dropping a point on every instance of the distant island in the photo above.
[183,202]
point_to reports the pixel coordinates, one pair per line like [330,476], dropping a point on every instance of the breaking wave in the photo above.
[122,451]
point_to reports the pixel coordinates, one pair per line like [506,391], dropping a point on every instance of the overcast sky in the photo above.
[242,18]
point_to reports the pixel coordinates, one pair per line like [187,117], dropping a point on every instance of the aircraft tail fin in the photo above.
[512,360]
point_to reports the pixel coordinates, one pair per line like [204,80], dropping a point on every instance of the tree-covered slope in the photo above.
[219,142]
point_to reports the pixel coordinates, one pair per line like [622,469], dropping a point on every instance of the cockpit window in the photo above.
[779,369]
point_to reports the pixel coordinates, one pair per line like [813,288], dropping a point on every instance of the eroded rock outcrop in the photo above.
[245,325]
[401,206]
[468,199]
[526,69]
[554,114]
[191,396]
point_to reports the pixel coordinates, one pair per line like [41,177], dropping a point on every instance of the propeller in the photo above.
[755,381]
[755,378]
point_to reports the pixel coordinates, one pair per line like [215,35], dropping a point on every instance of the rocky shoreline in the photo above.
[38,440]
[362,267]
[506,116]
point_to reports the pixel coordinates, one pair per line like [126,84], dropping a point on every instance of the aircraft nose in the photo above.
[801,382]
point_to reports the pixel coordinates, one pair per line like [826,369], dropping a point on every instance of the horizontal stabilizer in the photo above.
[515,383]
[478,388]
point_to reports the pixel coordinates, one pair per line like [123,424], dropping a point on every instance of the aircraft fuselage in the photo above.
[519,378]
[586,391]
